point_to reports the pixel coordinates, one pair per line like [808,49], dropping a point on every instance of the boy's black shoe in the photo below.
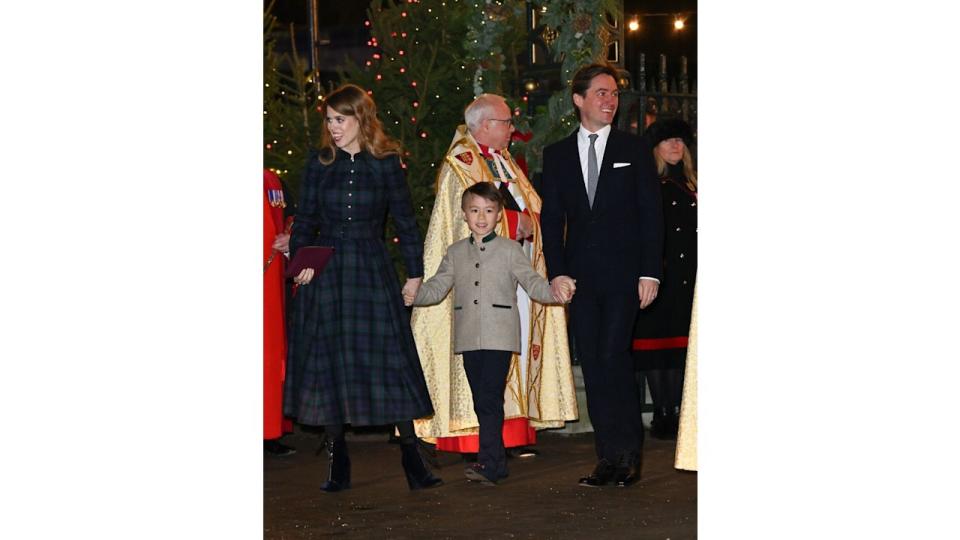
[477,473]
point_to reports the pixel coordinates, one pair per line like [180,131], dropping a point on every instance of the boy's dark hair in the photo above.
[581,80]
[482,189]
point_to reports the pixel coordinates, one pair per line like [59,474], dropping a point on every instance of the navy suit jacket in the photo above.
[621,238]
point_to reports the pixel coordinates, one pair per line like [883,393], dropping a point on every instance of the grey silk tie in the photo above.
[593,175]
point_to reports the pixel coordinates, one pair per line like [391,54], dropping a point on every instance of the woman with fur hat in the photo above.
[661,331]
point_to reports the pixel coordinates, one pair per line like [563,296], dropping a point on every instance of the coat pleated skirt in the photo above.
[353,358]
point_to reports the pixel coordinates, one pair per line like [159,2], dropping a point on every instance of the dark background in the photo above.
[342,31]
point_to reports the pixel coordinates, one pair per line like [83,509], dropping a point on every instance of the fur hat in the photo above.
[668,128]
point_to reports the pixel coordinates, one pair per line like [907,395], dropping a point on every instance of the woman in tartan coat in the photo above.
[352,358]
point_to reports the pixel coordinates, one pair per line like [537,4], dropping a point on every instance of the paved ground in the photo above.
[540,499]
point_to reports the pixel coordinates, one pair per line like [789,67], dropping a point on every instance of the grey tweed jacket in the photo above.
[484,277]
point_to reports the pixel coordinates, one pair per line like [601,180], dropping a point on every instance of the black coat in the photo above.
[621,238]
[669,314]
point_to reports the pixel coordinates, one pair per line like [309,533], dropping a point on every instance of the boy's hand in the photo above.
[410,289]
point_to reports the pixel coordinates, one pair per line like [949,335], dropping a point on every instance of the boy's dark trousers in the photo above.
[487,375]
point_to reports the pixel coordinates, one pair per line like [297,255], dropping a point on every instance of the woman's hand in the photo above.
[410,289]
[304,277]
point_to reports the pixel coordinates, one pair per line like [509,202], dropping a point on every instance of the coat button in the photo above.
[476,265]
[351,171]
[681,255]
[476,283]
[474,300]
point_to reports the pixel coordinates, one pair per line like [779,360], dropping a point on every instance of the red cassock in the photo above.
[516,432]
[274,334]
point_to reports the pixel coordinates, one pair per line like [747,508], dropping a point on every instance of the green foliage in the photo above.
[578,24]
[428,59]
[420,83]
[496,37]
[291,120]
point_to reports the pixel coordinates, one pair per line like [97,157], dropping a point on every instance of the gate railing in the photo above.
[649,97]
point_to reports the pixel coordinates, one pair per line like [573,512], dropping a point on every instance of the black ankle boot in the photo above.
[418,476]
[660,426]
[673,423]
[339,467]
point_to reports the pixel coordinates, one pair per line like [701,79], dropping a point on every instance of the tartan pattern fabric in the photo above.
[351,355]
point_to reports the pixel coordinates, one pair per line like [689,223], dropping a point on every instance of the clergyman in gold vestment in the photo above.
[540,384]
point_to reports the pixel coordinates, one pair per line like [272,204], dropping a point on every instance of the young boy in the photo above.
[484,270]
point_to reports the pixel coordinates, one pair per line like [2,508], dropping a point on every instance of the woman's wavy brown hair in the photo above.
[351,100]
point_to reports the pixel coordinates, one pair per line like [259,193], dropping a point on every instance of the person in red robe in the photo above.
[275,245]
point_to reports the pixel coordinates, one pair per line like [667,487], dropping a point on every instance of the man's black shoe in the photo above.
[602,475]
[626,477]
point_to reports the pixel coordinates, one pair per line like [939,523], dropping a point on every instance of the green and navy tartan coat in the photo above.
[351,355]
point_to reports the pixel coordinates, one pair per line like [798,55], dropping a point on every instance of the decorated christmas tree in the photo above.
[427,60]
[416,74]
[291,119]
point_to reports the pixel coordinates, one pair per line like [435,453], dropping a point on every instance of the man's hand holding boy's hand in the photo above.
[563,288]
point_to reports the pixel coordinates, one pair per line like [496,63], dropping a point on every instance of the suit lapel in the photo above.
[609,155]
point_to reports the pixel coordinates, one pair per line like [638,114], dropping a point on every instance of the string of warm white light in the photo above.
[679,20]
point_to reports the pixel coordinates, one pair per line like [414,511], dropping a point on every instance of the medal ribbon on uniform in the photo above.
[275,196]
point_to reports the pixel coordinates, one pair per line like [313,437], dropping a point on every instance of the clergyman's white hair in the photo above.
[477,111]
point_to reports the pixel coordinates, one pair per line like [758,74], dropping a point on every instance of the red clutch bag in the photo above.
[315,257]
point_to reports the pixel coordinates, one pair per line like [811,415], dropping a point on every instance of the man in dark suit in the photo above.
[599,185]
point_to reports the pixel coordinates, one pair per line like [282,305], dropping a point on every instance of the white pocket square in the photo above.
[618,165]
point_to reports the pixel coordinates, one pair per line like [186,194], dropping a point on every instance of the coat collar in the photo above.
[487,238]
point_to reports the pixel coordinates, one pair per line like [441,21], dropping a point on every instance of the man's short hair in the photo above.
[485,190]
[582,78]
